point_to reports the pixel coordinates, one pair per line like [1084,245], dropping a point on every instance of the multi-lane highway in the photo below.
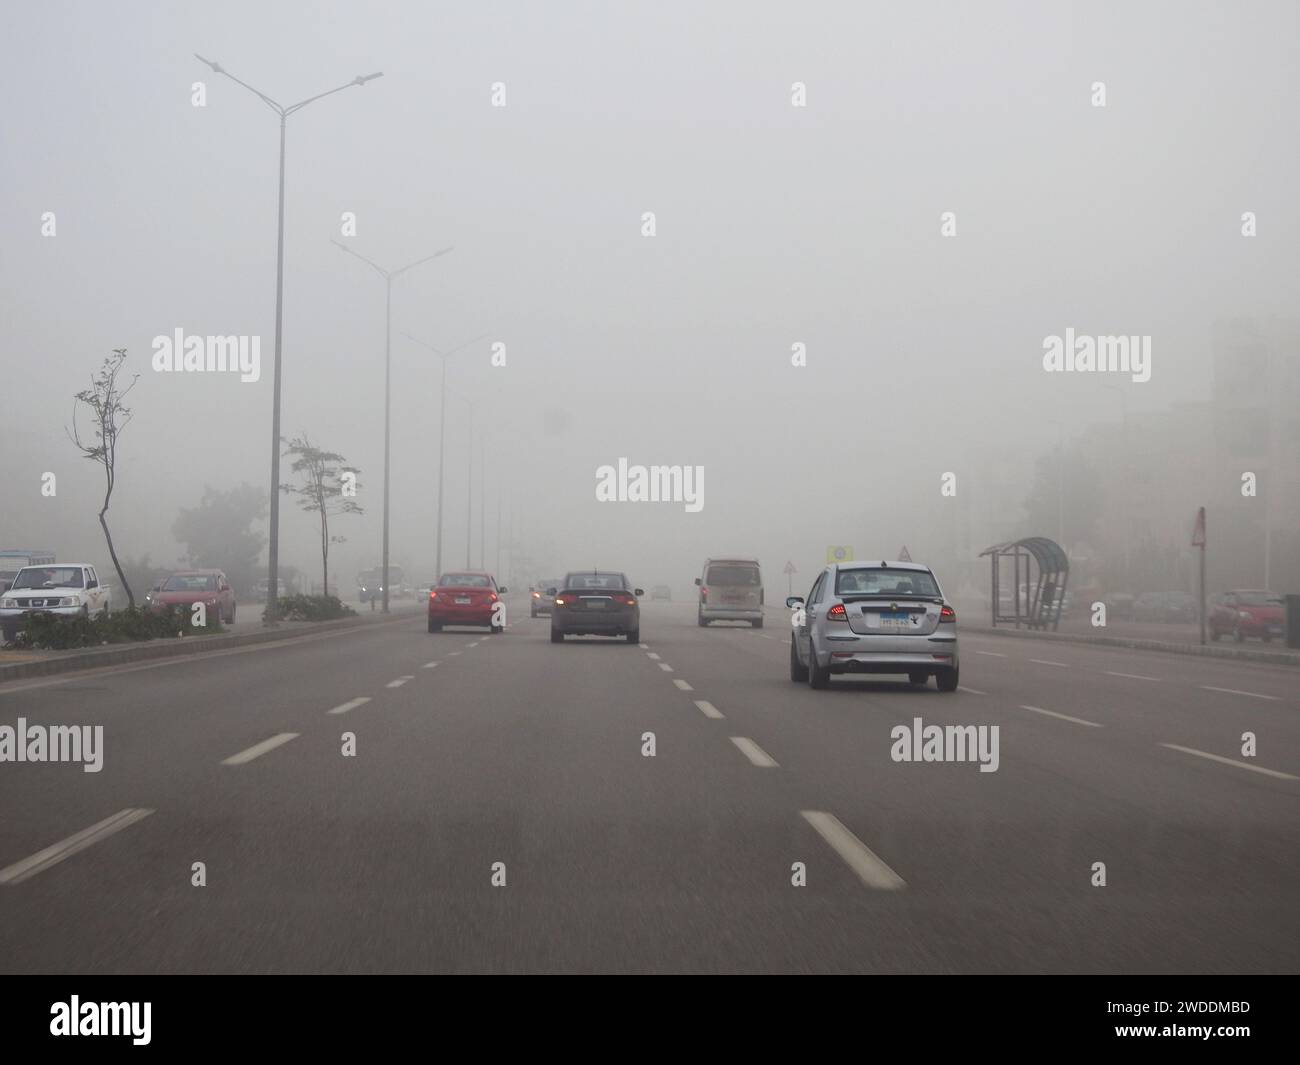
[472,750]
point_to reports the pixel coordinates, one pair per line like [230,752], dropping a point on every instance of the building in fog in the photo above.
[1255,413]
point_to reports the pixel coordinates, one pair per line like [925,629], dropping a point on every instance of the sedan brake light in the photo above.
[837,613]
[433,594]
[947,614]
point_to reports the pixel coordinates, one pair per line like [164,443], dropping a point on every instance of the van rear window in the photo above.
[747,576]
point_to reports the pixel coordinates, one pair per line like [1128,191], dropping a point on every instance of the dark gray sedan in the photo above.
[595,603]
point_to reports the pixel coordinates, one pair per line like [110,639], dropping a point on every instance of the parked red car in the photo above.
[206,586]
[1247,612]
[469,597]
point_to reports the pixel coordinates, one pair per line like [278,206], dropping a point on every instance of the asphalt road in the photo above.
[473,750]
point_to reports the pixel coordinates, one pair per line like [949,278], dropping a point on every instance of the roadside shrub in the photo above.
[313,608]
[54,632]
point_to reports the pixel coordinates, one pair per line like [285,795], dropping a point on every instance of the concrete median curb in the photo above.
[120,654]
[1136,643]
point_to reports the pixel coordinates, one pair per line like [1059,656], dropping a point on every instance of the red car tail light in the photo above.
[837,613]
[492,597]
[947,614]
[704,593]
[625,600]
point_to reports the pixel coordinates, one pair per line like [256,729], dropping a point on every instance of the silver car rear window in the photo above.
[880,581]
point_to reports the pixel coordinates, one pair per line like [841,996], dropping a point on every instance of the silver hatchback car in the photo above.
[874,617]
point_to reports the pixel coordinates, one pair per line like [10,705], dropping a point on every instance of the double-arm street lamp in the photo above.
[273,548]
[388,276]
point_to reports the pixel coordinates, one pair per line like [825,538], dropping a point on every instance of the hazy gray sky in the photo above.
[775,225]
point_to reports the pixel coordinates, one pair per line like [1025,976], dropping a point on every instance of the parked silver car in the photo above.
[874,617]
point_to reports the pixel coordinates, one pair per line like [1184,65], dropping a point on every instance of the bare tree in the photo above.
[109,417]
[326,488]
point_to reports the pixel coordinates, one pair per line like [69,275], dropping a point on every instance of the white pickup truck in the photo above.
[67,588]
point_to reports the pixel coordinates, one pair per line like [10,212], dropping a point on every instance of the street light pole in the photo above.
[469,484]
[388,276]
[273,545]
[442,424]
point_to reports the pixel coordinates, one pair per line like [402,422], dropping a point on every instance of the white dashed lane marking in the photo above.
[259,749]
[973,691]
[398,682]
[1045,662]
[351,704]
[79,841]
[665,667]
[707,708]
[1063,717]
[683,685]
[651,654]
[1231,761]
[990,654]
[1234,691]
[857,855]
[754,752]
[1128,676]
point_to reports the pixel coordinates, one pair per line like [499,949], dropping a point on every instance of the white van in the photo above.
[731,589]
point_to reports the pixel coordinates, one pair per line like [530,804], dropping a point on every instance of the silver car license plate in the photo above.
[462,600]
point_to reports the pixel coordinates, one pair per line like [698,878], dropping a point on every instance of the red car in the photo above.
[1247,612]
[469,597]
[207,586]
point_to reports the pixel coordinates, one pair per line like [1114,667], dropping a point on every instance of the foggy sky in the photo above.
[775,224]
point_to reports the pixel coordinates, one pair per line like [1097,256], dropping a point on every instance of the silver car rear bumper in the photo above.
[883,654]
